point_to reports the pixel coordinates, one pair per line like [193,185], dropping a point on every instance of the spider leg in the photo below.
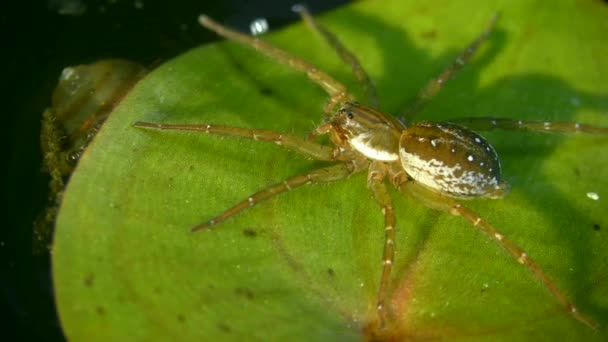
[375,181]
[337,91]
[490,123]
[322,175]
[436,84]
[346,56]
[290,142]
[449,205]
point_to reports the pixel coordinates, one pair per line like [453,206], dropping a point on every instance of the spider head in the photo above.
[370,132]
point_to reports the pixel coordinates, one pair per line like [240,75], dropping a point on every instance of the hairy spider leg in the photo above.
[321,175]
[290,142]
[343,52]
[490,123]
[449,205]
[375,181]
[436,84]
[337,91]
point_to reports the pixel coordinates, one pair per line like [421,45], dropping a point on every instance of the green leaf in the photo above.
[306,264]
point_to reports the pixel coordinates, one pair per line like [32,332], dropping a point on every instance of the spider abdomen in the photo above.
[451,159]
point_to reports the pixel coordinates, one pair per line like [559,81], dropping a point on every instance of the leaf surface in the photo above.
[306,264]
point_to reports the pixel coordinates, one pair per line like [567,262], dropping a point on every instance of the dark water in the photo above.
[39,39]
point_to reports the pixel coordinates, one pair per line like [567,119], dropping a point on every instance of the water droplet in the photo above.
[593,195]
[258,26]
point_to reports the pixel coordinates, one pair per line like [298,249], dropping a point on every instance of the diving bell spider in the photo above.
[438,163]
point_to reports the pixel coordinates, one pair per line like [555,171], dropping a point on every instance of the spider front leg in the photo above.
[291,142]
[343,52]
[449,205]
[433,87]
[337,91]
[490,123]
[375,181]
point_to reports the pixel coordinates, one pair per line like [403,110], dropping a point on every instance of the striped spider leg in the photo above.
[336,90]
[449,205]
[491,123]
[432,87]
[343,52]
[437,163]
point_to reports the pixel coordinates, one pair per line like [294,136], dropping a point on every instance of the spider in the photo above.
[437,163]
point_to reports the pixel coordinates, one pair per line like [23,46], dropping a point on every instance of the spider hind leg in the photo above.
[453,207]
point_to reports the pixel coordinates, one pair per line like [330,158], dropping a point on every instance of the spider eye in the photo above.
[350,115]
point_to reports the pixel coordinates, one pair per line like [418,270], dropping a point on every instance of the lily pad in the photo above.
[306,264]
